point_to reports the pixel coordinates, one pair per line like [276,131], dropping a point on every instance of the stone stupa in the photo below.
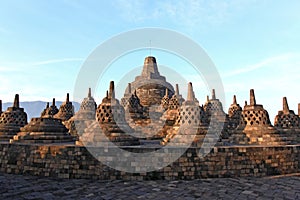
[150,86]
[255,126]
[84,117]
[44,130]
[12,120]
[66,110]
[110,124]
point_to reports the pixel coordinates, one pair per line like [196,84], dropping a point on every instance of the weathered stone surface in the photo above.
[12,120]
[189,128]
[255,126]
[45,129]
[150,86]
[234,114]
[110,122]
[66,110]
[84,117]
[76,162]
[286,118]
[50,110]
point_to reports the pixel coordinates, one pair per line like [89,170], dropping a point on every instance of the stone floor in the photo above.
[30,187]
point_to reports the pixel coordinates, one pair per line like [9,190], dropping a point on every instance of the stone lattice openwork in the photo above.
[234,114]
[165,100]
[110,120]
[50,110]
[84,117]
[254,115]
[12,120]
[188,129]
[66,110]
[286,118]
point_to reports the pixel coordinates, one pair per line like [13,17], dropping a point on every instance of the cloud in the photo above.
[17,66]
[283,60]
[186,13]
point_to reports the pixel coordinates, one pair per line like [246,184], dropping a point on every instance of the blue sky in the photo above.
[254,44]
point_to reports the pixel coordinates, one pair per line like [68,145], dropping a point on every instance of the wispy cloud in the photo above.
[275,61]
[16,66]
[187,13]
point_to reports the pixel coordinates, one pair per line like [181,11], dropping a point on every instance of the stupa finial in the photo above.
[111,93]
[252,98]
[68,98]
[176,90]
[53,102]
[167,92]
[285,106]
[190,95]
[234,99]
[207,98]
[0,106]
[246,103]
[213,94]
[298,109]
[47,105]
[90,93]
[150,67]
[16,101]
[129,88]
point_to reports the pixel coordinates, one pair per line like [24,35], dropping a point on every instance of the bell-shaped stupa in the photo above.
[150,86]
[12,120]
[84,117]
[66,110]
[110,124]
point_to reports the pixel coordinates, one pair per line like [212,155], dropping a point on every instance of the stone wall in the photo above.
[77,162]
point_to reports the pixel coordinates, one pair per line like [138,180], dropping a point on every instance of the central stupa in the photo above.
[150,86]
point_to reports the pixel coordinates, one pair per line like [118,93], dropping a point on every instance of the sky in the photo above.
[253,44]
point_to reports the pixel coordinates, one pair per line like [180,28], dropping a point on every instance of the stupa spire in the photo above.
[68,98]
[0,106]
[176,90]
[90,93]
[150,69]
[129,88]
[16,101]
[47,105]
[252,98]
[234,99]
[213,94]
[207,98]
[166,93]
[53,102]
[299,109]
[285,106]
[190,95]
[111,93]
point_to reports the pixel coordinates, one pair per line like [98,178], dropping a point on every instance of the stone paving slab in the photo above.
[31,187]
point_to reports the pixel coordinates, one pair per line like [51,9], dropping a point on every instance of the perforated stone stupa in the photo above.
[84,117]
[50,110]
[110,124]
[187,129]
[150,86]
[286,118]
[66,110]
[45,130]
[12,120]
[255,126]
[234,114]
